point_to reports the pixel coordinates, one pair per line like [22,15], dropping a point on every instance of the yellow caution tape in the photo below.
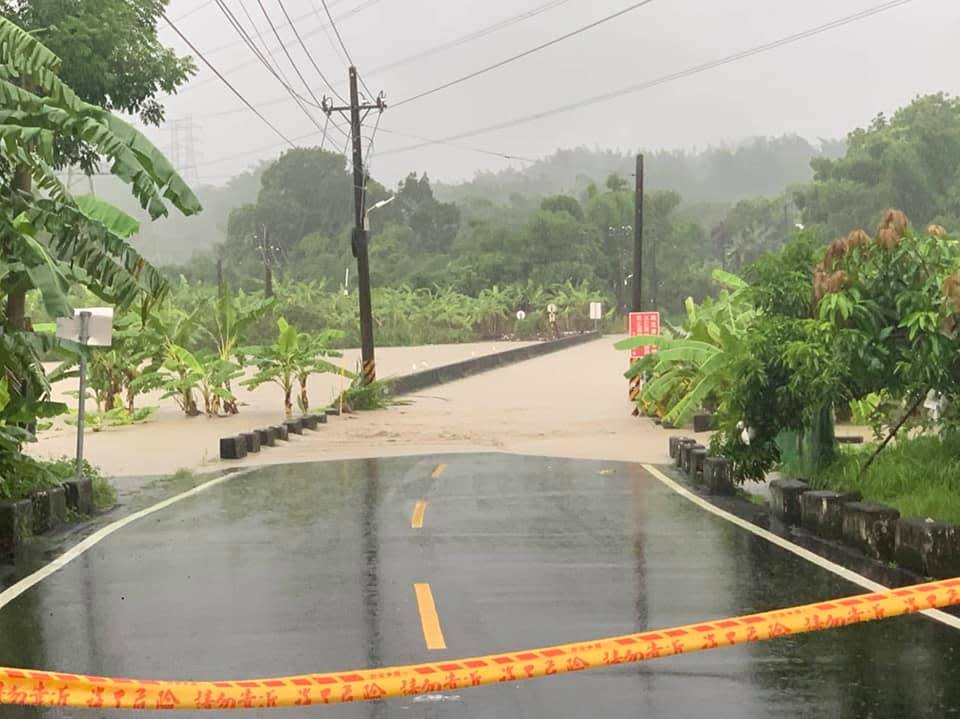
[51,689]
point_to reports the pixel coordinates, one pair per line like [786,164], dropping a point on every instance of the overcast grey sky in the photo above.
[818,87]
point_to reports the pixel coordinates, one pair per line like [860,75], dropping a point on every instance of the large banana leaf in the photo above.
[112,218]
[52,105]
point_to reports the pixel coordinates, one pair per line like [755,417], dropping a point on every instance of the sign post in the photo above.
[596,313]
[641,323]
[91,327]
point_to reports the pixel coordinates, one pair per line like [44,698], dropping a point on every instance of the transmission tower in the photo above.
[183,147]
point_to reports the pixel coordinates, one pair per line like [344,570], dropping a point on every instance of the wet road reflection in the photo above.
[311,568]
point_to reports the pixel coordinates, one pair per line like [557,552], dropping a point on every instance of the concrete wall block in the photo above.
[702,422]
[268,436]
[821,511]
[41,511]
[927,547]
[785,499]
[683,447]
[718,475]
[16,523]
[697,457]
[79,495]
[871,527]
[252,441]
[675,445]
[233,447]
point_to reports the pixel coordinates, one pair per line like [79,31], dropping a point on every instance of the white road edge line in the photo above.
[77,550]
[837,569]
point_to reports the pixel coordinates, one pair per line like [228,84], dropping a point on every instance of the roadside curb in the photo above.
[834,551]
[417,381]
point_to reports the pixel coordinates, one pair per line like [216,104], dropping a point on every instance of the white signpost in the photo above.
[89,327]
[596,313]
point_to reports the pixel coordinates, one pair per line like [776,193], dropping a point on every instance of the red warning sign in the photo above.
[643,323]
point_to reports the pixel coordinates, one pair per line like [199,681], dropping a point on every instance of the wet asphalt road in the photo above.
[311,568]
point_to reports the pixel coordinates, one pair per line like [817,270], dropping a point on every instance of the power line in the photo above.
[426,140]
[346,52]
[463,39]
[695,70]
[301,101]
[350,13]
[526,53]
[233,43]
[245,36]
[256,29]
[303,45]
[198,8]
[286,52]
[467,148]
[226,82]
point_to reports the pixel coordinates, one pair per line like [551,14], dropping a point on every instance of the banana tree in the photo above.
[51,241]
[235,313]
[184,373]
[695,368]
[290,362]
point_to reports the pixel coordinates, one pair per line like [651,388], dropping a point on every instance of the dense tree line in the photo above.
[299,222]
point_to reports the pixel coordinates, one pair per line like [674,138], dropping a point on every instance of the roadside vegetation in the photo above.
[864,327]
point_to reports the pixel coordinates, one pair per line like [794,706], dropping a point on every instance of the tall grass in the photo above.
[920,476]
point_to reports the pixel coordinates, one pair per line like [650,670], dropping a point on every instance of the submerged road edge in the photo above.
[18,588]
[796,549]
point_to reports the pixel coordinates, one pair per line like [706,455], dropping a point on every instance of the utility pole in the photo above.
[357,113]
[638,239]
[267,272]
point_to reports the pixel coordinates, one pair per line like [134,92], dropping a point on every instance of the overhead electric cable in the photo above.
[346,52]
[227,82]
[309,55]
[463,39]
[639,87]
[525,53]
[309,33]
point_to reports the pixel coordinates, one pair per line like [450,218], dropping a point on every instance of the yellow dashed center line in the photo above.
[416,521]
[432,633]
[438,470]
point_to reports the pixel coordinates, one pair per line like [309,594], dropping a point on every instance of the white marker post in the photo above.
[89,327]
[596,313]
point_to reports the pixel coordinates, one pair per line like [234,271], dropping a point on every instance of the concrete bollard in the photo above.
[686,459]
[233,447]
[283,432]
[49,509]
[675,445]
[252,440]
[79,495]
[310,421]
[682,447]
[295,426]
[870,527]
[268,436]
[718,475]
[333,411]
[785,499]
[702,422]
[698,455]
[927,547]
[16,523]
[821,511]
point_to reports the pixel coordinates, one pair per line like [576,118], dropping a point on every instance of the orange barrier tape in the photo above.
[69,690]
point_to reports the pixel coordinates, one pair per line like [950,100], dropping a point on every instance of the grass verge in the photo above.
[920,476]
